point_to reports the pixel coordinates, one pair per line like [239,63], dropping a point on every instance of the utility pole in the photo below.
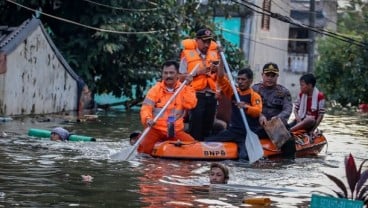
[312,20]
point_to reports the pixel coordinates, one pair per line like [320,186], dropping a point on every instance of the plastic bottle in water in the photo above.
[171,127]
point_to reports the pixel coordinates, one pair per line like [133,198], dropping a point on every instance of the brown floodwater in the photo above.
[41,173]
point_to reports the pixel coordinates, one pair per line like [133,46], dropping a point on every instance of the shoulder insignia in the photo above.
[280,93]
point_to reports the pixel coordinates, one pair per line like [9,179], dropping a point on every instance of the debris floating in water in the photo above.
[4,119]
[257,200]
[87,178]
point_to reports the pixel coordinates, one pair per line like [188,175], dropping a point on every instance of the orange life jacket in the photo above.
[156,99]
[193,57]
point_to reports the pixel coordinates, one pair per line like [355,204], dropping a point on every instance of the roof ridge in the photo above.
[14,33]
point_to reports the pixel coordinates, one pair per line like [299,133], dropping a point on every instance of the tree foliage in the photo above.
[343,67]
[114,62]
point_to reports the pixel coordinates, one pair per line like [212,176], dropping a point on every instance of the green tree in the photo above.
[114,61]
[342,69]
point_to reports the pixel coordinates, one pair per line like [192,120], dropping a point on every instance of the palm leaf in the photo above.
[351,171]
[339,194]
[361,165]
[363,178]
[339,183]
[363,194]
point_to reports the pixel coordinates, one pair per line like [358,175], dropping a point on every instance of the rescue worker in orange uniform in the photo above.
[201,50]
[250,102]
[156,99]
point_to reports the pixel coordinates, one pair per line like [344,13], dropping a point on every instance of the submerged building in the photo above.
[34,76]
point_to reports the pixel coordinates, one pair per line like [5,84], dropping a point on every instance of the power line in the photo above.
[121,8]
[293,22]
[87,26]
[269,37]
[249,38]
[328,19]
[287,12]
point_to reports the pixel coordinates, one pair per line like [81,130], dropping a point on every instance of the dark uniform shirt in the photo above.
[236,123]
[276,101]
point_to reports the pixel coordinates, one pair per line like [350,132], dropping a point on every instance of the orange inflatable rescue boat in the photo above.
[196,150]
[305,146]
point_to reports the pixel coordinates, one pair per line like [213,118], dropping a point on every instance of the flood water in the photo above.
[41,173]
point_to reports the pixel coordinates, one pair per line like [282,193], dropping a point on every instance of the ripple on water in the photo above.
[214,202]
[46,162]
[21,158]
[37,173]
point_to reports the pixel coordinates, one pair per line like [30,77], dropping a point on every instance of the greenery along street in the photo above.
[146,34]
[343,67]
[142,34]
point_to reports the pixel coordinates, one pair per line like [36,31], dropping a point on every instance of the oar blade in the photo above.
[254,147]
[131,155]
[124,154]
[118,155]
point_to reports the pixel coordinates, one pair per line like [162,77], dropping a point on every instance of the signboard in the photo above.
[331,202]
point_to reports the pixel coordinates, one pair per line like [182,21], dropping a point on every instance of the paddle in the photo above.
[277,132]
[130,154]
[252,143]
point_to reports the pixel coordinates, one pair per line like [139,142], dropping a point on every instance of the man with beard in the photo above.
[250,103]
[170,125]
[201,50]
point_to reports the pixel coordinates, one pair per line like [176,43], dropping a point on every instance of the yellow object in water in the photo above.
[258,200]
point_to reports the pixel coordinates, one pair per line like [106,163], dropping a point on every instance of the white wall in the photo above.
[36,82]
[271,45]
[291,81]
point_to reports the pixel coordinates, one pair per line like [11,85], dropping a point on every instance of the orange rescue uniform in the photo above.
[254,108]
[193,57]
[155,100]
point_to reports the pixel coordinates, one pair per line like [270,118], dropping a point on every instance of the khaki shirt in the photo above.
[276,101]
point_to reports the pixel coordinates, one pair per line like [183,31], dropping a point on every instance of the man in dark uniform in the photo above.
[276,101]
[250,103]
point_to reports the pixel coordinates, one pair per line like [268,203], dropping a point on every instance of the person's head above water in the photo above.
[219,174]
[59,134]
[133,137]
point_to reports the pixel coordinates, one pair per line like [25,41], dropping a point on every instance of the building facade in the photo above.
[265,39]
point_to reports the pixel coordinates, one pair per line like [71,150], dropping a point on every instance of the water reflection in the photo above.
[40,173]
